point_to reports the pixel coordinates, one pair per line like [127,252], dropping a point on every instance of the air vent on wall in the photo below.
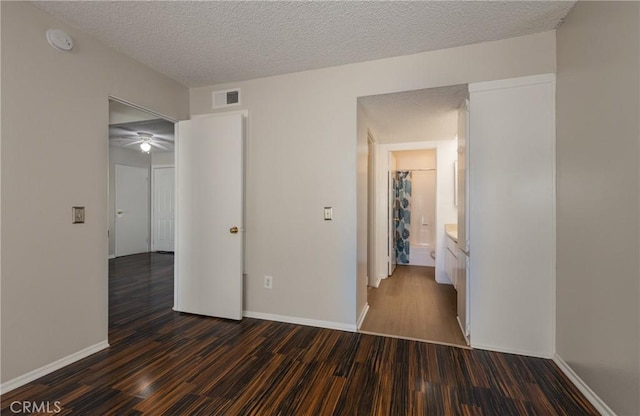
[226,98]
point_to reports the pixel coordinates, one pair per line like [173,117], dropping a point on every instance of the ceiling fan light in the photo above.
[145,147]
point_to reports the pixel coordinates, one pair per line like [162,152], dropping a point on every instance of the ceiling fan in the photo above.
[145,140]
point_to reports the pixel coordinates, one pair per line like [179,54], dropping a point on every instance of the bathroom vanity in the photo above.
[455,264]
[451,253]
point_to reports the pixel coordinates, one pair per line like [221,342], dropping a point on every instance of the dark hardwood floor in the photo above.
[164,362]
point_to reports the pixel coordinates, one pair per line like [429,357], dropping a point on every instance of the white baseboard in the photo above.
[375,284]
[300,321]
[443,281]
[512,351]
[112,256]
[363,315]
[464,333]
[51,367]
[595,400]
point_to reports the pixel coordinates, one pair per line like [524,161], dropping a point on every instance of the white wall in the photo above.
[511,218]
[446,211]
[415,159]
[303,155]
[598,242]
[162,158]
[121,156]
[55,113]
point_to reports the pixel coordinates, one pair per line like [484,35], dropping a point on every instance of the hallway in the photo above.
[411,304]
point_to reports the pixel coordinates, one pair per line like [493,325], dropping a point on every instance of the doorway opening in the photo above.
[414,138]
[141,198]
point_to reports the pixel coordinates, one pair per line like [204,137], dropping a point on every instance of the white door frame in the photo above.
[392,261]
[107,217]
[372,147]
[153,189]
[382,199]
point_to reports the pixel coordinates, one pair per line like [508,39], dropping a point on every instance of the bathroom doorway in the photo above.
[410,293]
[412,186]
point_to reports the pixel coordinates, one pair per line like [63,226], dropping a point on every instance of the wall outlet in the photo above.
[268,282]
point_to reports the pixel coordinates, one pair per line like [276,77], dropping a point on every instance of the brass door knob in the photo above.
[233,230]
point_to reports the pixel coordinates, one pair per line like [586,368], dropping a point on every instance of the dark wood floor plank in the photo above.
[163,362]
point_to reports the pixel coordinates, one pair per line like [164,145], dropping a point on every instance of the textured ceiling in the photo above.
[208,42]
[421,115]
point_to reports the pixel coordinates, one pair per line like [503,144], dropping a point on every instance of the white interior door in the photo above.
[163,208]
[393,215]
[209,167]
[132,210]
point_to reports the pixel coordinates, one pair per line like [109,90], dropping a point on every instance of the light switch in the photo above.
[328,213]
[78,215]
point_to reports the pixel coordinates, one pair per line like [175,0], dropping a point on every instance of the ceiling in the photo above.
[420,115]
[208,42]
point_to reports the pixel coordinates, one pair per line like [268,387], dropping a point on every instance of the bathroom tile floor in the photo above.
[411,304]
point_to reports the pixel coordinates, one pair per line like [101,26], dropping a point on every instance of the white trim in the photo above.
[376,284]
[554,218]
[152,205]
[595,400]
[363,315]
[428,341]
[176,229]
[381,257]
[443,282]
[51,367]
[511,351]
[112,256]
[300,321]
[144,109]
[512,82]
[372,207]
[244,113]
[382,202]
[394,147]
[464,332]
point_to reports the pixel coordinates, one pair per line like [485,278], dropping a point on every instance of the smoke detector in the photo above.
[59,40]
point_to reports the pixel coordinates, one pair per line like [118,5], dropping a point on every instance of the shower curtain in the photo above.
[402,215]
